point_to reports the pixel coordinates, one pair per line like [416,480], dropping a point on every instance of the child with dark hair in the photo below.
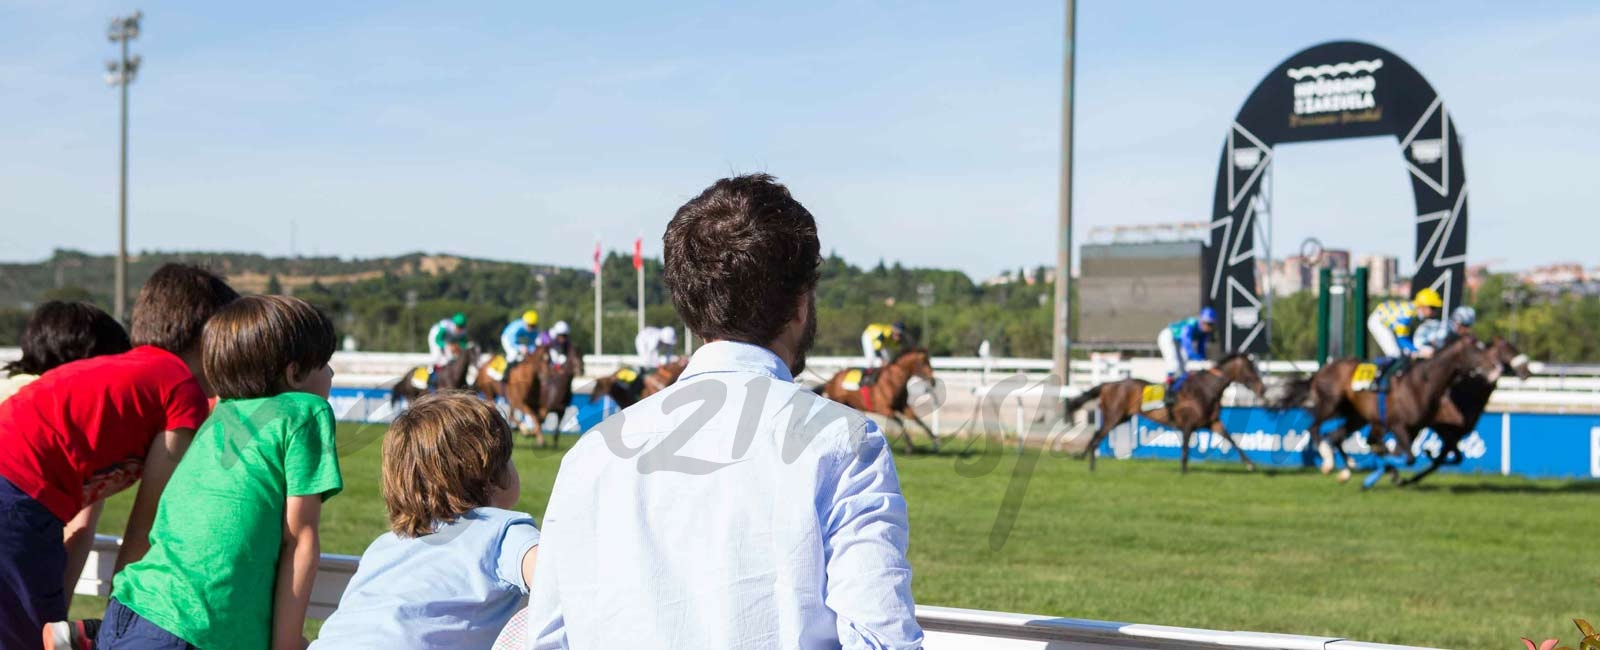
[88,429]
[457,561]
[235,546]
[59,333]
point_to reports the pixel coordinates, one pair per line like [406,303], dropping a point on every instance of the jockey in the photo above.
[558,342]
[442,334]
[1434,335]
[1394,322]
[1185,341]
[520,337]
[655,346]
[880,343]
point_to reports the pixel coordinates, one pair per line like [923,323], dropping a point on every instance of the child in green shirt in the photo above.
[234,547]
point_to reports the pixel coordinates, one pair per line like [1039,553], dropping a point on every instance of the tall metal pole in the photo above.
[1063,335]
[599,316]
[122,203]
[121,73]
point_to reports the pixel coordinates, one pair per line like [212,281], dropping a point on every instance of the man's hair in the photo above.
[739,257]
[62,332]
[442,457]
[251,342]
[174,304]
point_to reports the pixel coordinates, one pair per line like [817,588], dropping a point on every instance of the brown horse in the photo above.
[618,389]
[520,391]
[887,396]
[1459,412]
[555,387]
[1198,404]
[1412,400]
[452,376]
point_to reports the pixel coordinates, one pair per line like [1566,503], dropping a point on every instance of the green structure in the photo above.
[1341,312]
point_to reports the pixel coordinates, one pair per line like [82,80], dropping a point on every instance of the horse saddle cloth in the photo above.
[496,368]
[1153,397]
[852,379]
[419,378]
[1365,377]
[627,375]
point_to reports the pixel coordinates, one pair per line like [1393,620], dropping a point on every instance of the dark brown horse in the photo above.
[1459,412]
[1412,400]
[1198,404]
[888,395]
[555,387]
[519,388]
[452,376]
[621,390]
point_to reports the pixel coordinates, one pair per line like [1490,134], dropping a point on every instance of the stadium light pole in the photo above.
[120,73]
[1060,361]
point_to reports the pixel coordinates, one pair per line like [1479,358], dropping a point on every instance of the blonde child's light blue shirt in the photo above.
[455,588]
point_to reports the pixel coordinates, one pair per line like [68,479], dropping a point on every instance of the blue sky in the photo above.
[916,131]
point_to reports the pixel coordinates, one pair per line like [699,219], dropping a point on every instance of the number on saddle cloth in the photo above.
[419,378]
[1153,397]
[497,368]
[1364,377]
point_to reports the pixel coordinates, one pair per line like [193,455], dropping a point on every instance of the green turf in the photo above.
[1460,562]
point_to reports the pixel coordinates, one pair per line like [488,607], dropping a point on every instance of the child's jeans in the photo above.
[32,565]
[124,630]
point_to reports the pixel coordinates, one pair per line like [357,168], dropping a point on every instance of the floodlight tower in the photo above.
[120,73]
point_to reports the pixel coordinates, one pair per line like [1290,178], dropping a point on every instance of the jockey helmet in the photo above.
[459,319]
[1429,298]
[1464,316]
[669,336]
[1208,315]
[530,317]
[899,326]
[559,329]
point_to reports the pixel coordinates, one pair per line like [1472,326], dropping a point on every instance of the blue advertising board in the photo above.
[1535,445]
[372,405]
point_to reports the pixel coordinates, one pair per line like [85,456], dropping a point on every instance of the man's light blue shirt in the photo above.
[732,510]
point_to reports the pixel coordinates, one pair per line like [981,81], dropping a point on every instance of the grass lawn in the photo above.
[1460,562]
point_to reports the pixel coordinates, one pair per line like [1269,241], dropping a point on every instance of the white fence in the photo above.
[946,628]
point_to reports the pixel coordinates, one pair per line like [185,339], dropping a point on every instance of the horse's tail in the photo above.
[1294,396]
[820,388]
[1088,396]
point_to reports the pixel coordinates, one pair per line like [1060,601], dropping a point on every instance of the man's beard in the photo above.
[807,338]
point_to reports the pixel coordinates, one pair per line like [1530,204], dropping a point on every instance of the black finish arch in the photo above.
[1340,89]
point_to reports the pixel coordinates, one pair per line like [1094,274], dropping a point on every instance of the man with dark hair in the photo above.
[759,516]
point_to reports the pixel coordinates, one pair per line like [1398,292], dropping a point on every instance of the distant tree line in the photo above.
[1014,316]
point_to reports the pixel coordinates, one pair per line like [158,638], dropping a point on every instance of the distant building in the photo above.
[1566,277]
[1296,273]
[1383,274]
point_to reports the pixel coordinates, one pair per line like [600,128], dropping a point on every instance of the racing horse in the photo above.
[555,387]
[519,388]
[1463,405]
[1198,404]
[888,395]
[626,387]
[452,376]
[1411,402]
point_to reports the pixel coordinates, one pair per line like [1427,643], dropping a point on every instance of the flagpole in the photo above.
[638,270]
[599,317]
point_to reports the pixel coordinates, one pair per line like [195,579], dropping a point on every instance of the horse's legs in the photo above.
[1106,425]
[1217,429]
[905,433]
[1183,466]
[931,435]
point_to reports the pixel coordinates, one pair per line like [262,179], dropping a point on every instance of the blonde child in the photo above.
[457,562]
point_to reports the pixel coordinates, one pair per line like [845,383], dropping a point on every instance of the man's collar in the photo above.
[732,356]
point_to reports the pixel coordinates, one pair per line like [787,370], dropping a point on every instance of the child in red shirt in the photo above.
[89,429]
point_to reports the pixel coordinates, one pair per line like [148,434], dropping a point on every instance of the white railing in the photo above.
[946,628]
